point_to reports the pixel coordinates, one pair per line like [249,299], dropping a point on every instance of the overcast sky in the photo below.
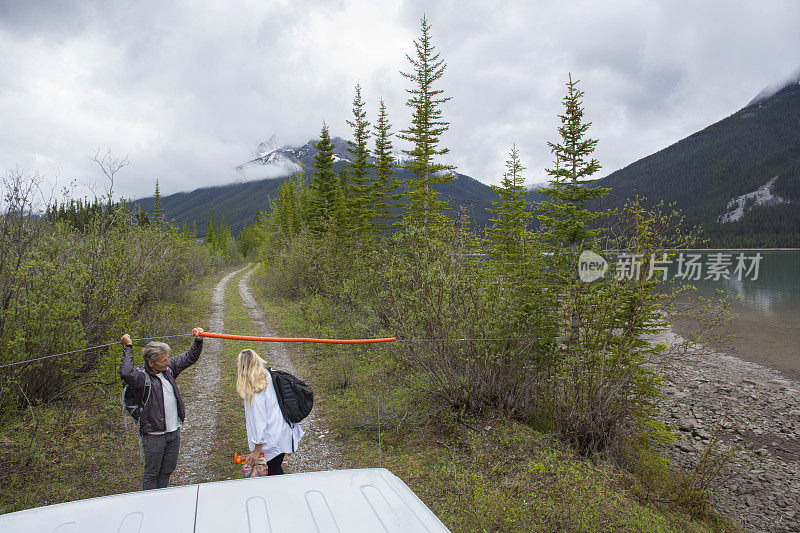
[187,90]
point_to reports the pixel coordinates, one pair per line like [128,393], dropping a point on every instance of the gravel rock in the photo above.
[753,413]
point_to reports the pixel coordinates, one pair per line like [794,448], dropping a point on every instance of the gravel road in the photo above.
[317,450]
[203,379]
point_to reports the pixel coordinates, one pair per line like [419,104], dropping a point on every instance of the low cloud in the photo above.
[188,92]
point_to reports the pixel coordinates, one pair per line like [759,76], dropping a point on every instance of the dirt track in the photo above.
[317,450]
[203,381]
[199,431]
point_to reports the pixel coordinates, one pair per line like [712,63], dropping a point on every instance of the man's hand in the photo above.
[126,340]
[196,332]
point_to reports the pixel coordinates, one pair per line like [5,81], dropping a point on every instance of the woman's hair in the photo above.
[154,349]
[252,377]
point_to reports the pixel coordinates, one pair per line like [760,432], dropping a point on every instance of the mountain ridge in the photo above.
[755,147]
[239,201]
[738,178]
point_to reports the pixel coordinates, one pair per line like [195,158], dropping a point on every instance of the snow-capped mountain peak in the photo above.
[266,147]
[271,160]
[774,89]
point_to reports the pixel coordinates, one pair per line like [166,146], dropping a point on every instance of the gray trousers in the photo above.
[160,458]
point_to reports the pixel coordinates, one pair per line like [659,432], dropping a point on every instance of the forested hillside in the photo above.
[238,202]
[736,156]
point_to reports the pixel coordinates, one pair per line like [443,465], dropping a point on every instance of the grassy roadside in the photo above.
[486,473]
[80,446]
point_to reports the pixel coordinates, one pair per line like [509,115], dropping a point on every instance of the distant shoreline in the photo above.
[723,250]
[731,249]
[766,343]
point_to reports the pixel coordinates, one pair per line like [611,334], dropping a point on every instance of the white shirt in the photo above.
[170,406]
[266,426]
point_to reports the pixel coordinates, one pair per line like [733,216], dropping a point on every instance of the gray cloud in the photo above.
[188,91]
[52,20]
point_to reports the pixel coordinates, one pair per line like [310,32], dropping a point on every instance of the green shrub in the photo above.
[63,288]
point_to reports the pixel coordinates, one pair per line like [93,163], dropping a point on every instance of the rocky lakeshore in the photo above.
[751,409]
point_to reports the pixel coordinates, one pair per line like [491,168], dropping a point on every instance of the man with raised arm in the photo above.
[163,410]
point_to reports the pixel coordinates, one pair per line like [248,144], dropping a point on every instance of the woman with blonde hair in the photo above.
[268,433]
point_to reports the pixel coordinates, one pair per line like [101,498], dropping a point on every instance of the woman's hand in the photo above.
[252,458]
[196,332]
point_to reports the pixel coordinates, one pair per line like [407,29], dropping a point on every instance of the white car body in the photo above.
[342,501]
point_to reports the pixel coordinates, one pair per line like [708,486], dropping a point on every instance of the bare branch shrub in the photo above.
[110,165]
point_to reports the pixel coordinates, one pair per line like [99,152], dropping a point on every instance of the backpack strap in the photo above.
[147,387]
[278,392]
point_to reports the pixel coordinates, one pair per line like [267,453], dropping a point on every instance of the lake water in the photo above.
[767,328]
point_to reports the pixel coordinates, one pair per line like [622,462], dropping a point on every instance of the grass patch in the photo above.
[505,476]
[477,473]
[58,453]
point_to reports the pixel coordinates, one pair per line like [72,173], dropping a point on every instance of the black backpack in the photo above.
[131,401]
[295,398]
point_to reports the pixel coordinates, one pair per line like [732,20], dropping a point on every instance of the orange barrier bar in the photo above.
[293,339]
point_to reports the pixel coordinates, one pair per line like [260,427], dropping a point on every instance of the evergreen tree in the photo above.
[385,183]
[250,237]
[158,213]
[223,240]
[324,200]
[508,235]
[566,223]
[303,200]
[361,211]
[424,134]
[565,216]
[211,229]
[343,213]
[141,218]
[287,210]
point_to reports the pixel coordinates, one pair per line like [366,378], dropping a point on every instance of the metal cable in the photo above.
[92,348]
[253,338]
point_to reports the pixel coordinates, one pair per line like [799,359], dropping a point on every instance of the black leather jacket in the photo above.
[152,417]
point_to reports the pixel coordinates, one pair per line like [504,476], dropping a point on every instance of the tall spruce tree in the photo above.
[343,214]
[324,203]
[565,220]
[508,235]
[422,202]
[603,387]
[211,228]
[385,184]
[158,212]
[287,210]
[566,223]
[358,192]
[223,239]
